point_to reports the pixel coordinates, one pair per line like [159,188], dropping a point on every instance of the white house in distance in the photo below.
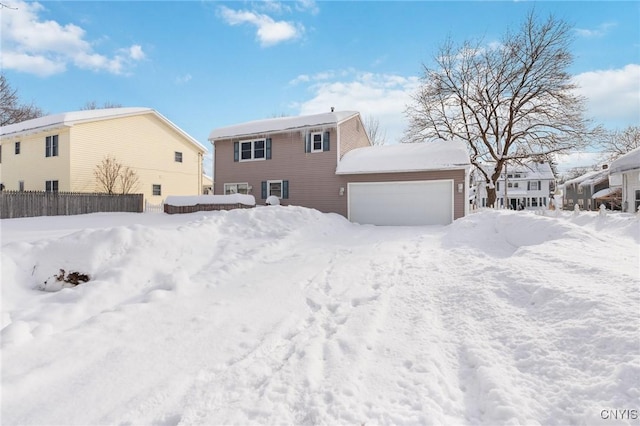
[527,186]
[61,152]
[624,172]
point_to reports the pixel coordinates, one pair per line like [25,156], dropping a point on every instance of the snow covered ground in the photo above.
[284,315]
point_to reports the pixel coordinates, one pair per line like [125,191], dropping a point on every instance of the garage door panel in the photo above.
[401,203]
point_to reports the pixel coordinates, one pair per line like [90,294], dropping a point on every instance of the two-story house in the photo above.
[520,187]
[326,162]
[590,190]
[61,152]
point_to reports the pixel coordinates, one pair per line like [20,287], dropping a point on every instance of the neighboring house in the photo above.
[589,191]
[520,187]
[624,173]
[207,185]
[326,162]
[61,152]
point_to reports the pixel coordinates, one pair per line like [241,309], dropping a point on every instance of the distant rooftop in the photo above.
[279,124]
[629,161]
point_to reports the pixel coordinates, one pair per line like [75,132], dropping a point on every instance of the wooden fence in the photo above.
[15,204]
[169,209]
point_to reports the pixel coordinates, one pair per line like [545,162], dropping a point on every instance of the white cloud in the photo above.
[600,31]
[269,32]
[182,79]
[613,96]
[383,96]
[41,47]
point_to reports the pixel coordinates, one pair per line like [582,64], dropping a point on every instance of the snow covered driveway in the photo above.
[284,315]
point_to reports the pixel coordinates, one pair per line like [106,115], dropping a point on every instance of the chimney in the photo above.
[331,109]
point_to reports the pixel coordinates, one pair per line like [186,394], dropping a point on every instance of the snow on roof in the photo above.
[629,161]
[405,157]
[604,193]
[530,170]
[280,124]
[582,178]
[76,117]
[597,177]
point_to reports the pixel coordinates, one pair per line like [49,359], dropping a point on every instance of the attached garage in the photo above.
[401,203]
[406,184]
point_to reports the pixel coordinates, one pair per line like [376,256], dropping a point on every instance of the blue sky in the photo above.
[209,64]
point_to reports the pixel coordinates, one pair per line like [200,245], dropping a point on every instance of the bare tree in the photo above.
[107,174]
[94,105]
[129,180]
[11,110]
[509,103]
[111,174]
[376,135]
[619,142]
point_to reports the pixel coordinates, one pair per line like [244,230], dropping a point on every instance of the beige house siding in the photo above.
[311,176]
[352,135]
[144,142]
[32,166]
[458,177]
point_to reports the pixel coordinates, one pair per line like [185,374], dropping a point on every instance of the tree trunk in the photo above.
[491,197]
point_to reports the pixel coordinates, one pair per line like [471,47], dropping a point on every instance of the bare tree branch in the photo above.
[376,135]
[11,110]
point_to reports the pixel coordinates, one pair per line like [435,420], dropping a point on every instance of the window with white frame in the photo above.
[177,157]
[20,185]
[274,187]
[51,186]
[156,189]
[580,189]
[533,185]
[252,150]
[316,142]
[236,188]
[51,146]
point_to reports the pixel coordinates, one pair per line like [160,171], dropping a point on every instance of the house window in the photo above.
[51,146]
[20,185]
[17,151]
[316,142]
[51,186]
[177,156]
[533,186]
[637,200]
[274,187]
[580,189]
[512,184]
[156,189]
[236,188]
[252,150]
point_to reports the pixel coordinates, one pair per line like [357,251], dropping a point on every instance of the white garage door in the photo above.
[401,203]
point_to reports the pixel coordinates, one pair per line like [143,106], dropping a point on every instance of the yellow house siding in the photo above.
[32,166]
[145,142]
[142,142]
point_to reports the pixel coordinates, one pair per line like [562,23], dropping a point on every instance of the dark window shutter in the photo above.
[325,141]
[539,185]
[285,189]
[307,142]
[528,186]
[264,190]
[268,148]
[236,151]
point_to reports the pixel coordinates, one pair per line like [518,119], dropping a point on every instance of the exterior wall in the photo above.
[32,166]
[630,184]
[458,177]
[144,143]
[352,135]
[312,179]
